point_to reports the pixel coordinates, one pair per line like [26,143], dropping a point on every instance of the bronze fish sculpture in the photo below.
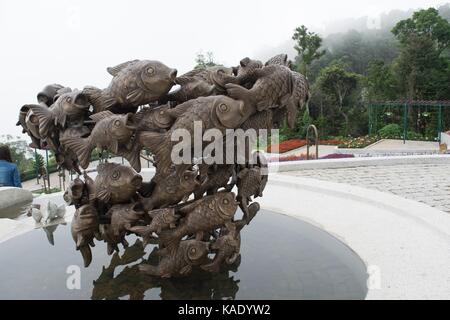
[116,183]
[244,75]
[299,98]
[188,254]
[227,247]
[84,228]
[218,112]
[134,83]
[201,216]
[272,89]
[49,94]
[214,180]
[199,83]
[162,219]
[69,107]
[171,188]
[74,192]
[157,119]
[123,218]
[111,132]
[279,59]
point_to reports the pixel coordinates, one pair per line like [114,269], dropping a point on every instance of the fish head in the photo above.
[230,113]
[32,123]
[196,250]
[73,102]
[74,191]
[133,211]
[49,94]
[121,178]
[122,126]
[247,68]
[226,204]
[190,179]
[279,59]
[157,78]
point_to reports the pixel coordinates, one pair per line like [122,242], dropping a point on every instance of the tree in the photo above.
[380,82]
[21,153]
[338,85]
[421,65]
[307,46]
[203,61]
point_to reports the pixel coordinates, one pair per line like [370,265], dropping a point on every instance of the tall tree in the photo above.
[204,60]
[308,48]
[423,39]
[380,82]
[338,85]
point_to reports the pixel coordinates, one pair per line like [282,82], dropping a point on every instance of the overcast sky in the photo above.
[71,42]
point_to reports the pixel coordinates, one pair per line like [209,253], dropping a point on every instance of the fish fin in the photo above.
[133,156]
[179,110]
[99,98]
[186,270]
[238,92]
[157,144]
[187,77]
[135,96]
[81,147]
[116,69]
[140,230]
[189,207]
[101,115]
[114,146]
[149,269]
[80,241]
[103,195]
[212,267]
[170,239]
[86,253]
[45,118]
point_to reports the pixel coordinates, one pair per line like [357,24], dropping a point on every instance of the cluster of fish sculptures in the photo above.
[188,210]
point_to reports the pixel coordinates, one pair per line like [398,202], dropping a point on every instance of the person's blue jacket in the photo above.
[9,175]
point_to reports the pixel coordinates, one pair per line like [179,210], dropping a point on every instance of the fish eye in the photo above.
[223,107]
[69,99]
[115,175]
[150,70]
[193,250]
[117,123]
[225,201]
[186,177]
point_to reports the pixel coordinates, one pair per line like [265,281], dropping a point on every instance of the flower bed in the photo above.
[292,144]
[360,142]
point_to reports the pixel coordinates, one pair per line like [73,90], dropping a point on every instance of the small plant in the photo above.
[390,131]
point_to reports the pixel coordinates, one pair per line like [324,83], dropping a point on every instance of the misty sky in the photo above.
[72,42]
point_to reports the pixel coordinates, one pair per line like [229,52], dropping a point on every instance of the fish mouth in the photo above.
[129,121]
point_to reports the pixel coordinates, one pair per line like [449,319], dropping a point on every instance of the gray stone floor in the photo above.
[427,183]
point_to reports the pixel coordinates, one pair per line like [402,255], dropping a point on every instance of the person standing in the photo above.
[9,174]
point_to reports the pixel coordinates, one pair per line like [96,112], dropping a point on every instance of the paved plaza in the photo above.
[427,183]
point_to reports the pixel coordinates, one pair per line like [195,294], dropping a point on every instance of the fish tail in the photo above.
[149,269]
[170,239]
[45,118]
[98,98]
[81,147]
[133,156]
[157,144]
[86,253]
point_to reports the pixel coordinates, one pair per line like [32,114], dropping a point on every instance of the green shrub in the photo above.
[390,131]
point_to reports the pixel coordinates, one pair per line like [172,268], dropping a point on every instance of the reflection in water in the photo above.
[130,282]
[282,258]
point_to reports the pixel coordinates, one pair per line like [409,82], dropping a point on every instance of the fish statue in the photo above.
[54,211]
[49,94]
[227,249]
[250,182]
[299,98]
[172,188]
[201,216]
[162,219]
[111,132]
[279,59]
[272,89]
[244,75]
[198,83]
[134,83]
[115,183]
[84,229]
[218,112]
[123,218]
[35,211]
[188,254]
[74,192]
[70,107]
[216,178]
